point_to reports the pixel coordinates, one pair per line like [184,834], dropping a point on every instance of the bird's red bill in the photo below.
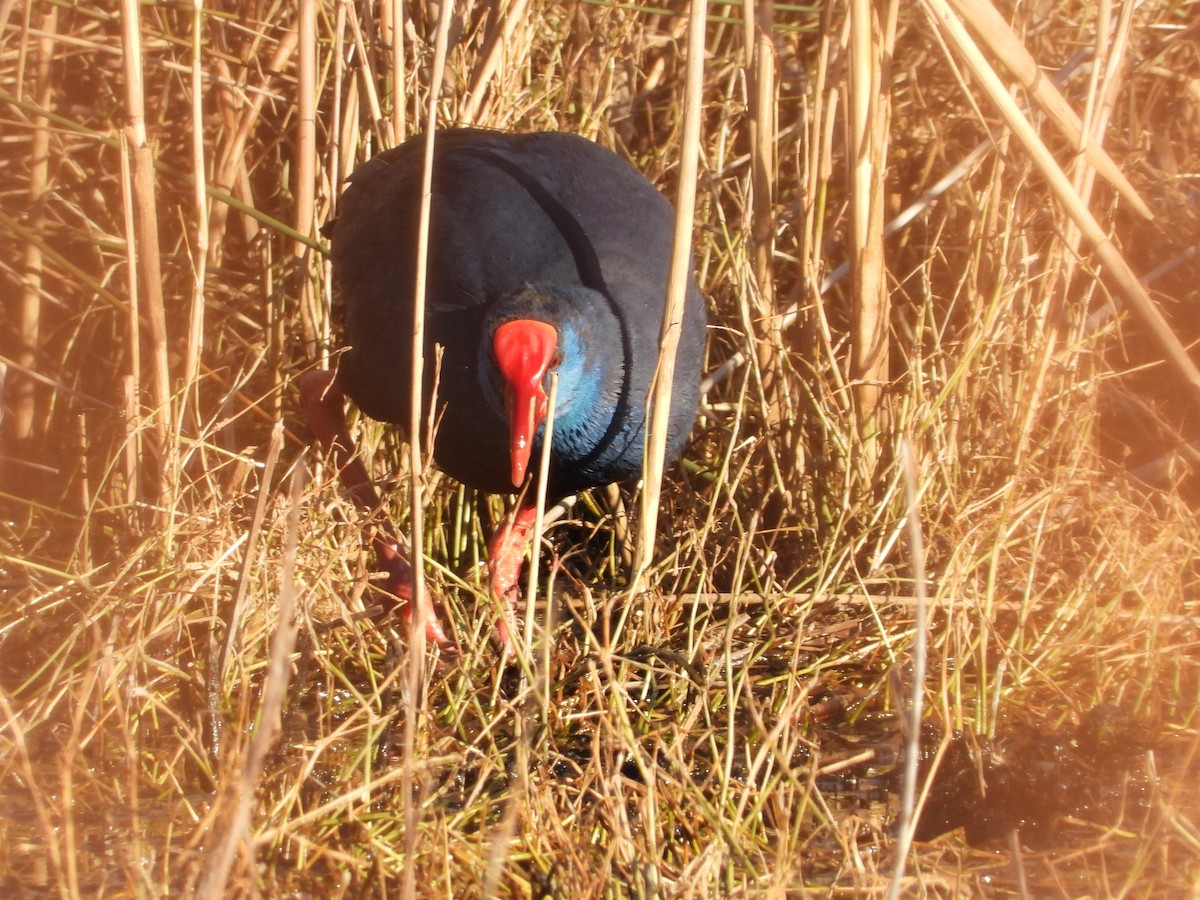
[524,349]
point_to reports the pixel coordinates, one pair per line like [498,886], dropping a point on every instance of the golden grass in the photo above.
[166,724]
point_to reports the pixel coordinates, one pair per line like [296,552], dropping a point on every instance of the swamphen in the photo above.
[547,252]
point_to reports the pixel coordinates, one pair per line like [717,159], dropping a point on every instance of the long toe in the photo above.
[435,634]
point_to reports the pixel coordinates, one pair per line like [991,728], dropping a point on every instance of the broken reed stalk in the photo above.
[342,130]
[195,342]
[501,839]
[132,382]
[83,543]
[827,97]
[23,402]
[146,247]
[765,326]
[677,285]
[421,607]
[393,23]
[351,134]
[1102,68]
[1101,95]
[760,50]
[1112,262]
[871,42]
[233,629]
[306,164]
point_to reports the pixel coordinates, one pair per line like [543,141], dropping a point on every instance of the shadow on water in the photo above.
[1043,784]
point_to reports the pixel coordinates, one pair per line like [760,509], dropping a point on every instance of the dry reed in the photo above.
[164,171]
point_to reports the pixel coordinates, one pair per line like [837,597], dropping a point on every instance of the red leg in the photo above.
[506,552]
[322,398]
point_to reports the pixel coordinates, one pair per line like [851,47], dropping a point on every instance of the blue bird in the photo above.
[547,253]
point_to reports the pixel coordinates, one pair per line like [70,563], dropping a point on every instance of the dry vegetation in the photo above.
[158,528]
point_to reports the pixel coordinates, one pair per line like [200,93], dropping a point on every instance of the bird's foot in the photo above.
[399,586]
[321,395]
[506,553]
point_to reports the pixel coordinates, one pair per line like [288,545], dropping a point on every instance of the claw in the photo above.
[399,586]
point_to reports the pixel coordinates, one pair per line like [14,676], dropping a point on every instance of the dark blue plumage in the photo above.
[547,226]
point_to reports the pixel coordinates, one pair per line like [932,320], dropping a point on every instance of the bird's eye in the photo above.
[556,360]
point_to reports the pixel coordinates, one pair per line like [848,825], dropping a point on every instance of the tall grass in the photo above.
[165,169]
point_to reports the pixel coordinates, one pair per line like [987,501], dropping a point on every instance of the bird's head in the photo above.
[525,350]
[544,328]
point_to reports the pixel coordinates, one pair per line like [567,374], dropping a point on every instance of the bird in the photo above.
[548,254]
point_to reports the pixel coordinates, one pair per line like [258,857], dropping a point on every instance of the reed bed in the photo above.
[190,697]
